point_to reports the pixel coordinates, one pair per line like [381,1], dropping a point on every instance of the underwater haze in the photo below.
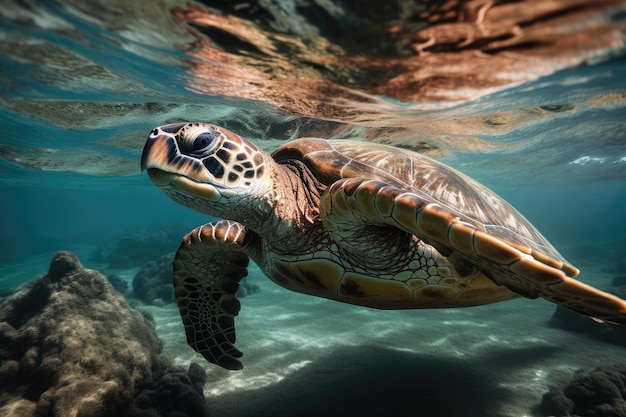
[528,97]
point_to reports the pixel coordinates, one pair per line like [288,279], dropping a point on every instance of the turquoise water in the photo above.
[81,88]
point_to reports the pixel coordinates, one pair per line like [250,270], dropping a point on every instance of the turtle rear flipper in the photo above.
[520,269]
[531,276]
[208,267]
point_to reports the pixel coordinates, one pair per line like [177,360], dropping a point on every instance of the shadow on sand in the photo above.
[374,380]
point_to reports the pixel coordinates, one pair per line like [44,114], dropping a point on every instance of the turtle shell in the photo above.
[332,160]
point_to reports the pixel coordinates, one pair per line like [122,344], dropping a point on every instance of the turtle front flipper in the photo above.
[208,267]
[465,243]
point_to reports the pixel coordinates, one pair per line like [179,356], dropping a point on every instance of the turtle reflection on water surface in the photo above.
[356,222]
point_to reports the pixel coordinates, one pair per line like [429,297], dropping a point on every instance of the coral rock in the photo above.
[153,282]
[118,283]
[177,393]
[141,246]
[599,392]
[72,346]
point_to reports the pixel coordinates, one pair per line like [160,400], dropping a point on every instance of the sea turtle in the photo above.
[356,222]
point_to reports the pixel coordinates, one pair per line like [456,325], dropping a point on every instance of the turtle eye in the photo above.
[203,142]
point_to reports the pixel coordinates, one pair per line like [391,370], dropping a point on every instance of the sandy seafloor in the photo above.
[310,356]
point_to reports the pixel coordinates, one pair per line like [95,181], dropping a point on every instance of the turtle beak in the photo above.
[163,160]
[157,153]
[175,172]
[157,137]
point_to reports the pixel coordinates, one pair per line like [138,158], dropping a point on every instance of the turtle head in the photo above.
[207,168]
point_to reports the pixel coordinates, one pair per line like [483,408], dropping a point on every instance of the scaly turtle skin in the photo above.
[355,222]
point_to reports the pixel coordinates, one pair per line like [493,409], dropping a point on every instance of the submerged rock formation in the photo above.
[140,246]
[153,282]
[118,283]
[599,392]
[70,345]
[177,393]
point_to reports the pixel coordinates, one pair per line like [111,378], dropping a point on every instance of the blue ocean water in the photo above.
[79,95]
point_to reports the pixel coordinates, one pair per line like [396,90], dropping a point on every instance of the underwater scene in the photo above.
[311,174]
